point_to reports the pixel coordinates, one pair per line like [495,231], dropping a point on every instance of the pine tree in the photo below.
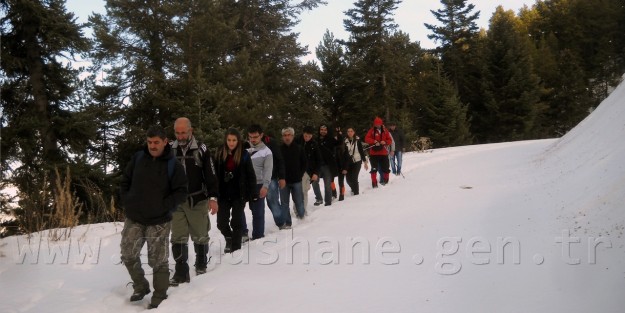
[333,70]
[513,90]
[456,37]
[41,121]
[136,50]
[264,64]
[442,116]
[370,24]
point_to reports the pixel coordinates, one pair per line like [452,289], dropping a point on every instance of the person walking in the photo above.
[153,184]
[191,217]
[379,139]
[311,175]
[262,159]
[341,163]
[328,169]
[295,165]
[399,138]
[356,157]
[277,178]
[237,185]
[391,150]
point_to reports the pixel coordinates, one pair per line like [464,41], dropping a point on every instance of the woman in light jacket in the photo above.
[355,158]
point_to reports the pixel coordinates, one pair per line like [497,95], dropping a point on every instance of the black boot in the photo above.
[228,248]
[180,252]
[201,258]
[140,285]
[160,286]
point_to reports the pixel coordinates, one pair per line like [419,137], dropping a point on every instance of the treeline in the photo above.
[532,74]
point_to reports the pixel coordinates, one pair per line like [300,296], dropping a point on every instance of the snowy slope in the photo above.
[530,226]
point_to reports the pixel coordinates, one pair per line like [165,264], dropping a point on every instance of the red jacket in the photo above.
[374,135]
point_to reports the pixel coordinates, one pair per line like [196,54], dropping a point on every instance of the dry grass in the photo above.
[67,208]
[54,206]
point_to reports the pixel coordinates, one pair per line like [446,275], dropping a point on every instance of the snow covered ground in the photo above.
[533,226]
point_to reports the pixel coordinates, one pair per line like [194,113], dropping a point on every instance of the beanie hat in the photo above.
[377,121]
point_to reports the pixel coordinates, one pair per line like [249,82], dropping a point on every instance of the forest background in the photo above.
[66,135]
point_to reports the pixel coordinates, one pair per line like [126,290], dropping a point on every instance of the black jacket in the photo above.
[200,170]
[399,138]
[294,162]
[242,185]
[148,194]
[313,158]
[327,150]
[278,160]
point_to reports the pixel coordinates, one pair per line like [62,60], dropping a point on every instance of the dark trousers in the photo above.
[342,182]
[379,163]
[352,176]
[231,228]
[258,217]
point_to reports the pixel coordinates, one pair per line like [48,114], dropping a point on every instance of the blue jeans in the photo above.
[295,190]
[273,202]
[396,163]
[326,175]
[258,217]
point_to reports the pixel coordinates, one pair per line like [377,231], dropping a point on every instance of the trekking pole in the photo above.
[371,146]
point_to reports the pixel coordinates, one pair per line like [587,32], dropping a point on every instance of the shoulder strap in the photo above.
[171,165]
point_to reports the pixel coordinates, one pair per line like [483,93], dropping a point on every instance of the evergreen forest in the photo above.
[67,131]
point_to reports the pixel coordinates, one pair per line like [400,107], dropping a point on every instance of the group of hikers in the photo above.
[169,188]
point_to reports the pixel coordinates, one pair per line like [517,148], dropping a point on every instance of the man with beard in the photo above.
[191,217]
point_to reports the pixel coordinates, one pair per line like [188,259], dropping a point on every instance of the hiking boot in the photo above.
[180,252]
[155,302]
[318,202]
[177,280]
[245,238]
[201,258]
[139,294]
[341,197]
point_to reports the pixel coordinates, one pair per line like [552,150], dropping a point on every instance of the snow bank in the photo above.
[586,169]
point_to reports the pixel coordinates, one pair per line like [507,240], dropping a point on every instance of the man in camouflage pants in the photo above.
[153,185]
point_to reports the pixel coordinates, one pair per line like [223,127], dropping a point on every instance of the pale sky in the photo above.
[410,16]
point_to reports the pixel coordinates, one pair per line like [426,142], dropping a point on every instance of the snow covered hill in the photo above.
[533,226]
